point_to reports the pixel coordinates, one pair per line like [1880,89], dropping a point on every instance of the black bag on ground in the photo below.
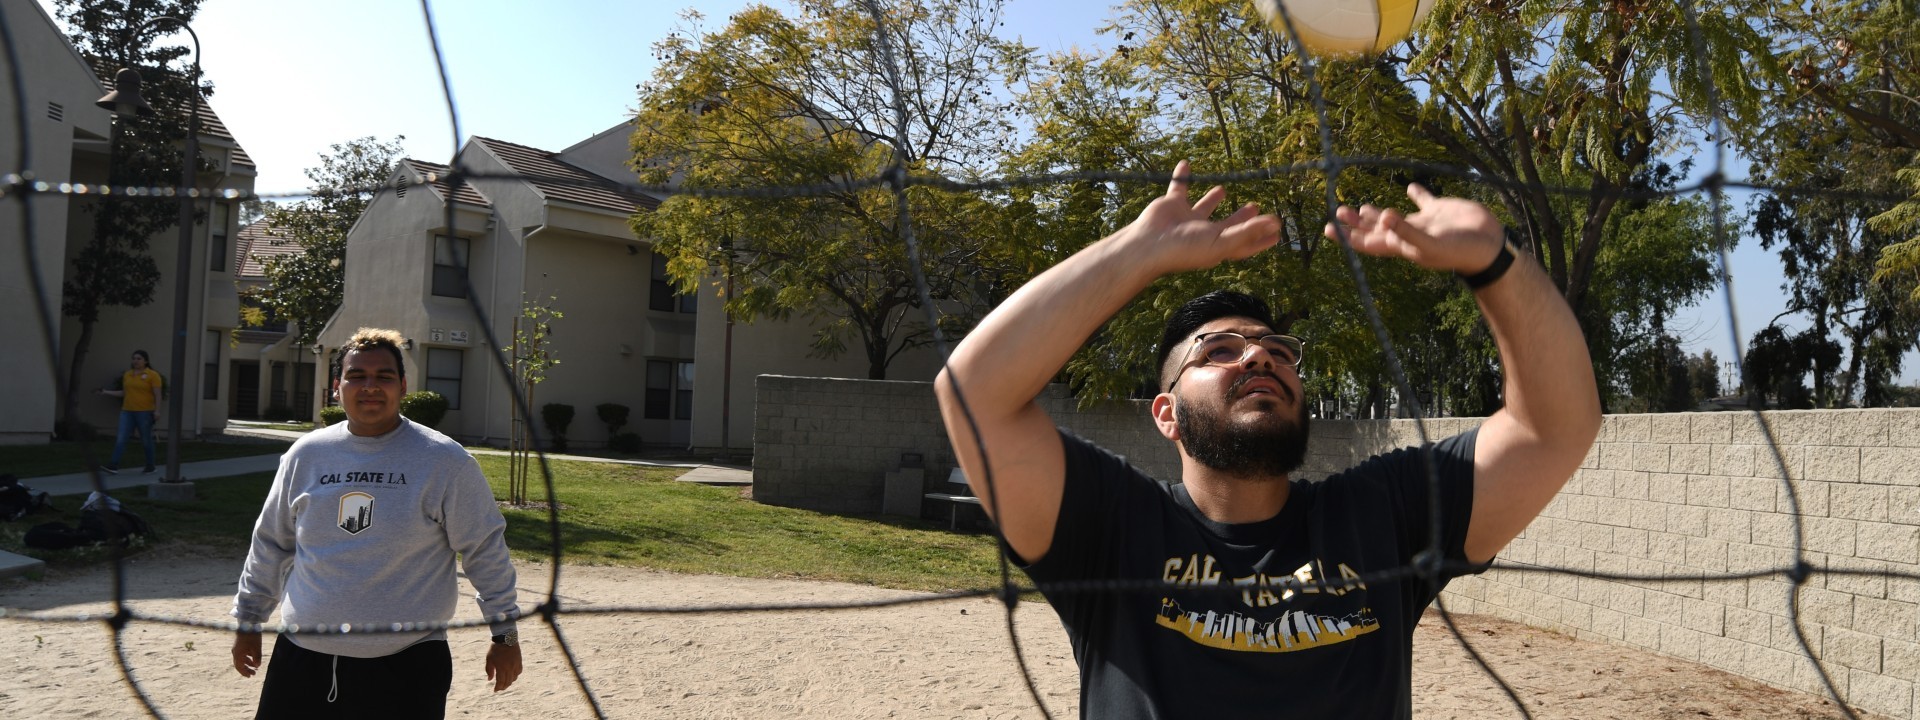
[55,535]
[103,524]
[16,500]
[97,525]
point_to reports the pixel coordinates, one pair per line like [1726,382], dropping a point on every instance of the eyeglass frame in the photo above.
[1187,362]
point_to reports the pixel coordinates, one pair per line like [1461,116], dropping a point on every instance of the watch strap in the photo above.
[1501,263]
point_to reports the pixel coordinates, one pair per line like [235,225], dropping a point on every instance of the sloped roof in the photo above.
[563,181]
[256,243]
[468,195]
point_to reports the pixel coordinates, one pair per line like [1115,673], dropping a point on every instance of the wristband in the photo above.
[1493,272]
[510,638]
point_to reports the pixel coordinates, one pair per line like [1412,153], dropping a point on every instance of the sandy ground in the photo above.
[927,660]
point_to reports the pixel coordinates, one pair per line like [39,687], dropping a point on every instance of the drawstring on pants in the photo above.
[334,691]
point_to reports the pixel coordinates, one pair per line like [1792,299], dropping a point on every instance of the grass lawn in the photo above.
[626,516]
[60,458]
[222,517]
[640,517]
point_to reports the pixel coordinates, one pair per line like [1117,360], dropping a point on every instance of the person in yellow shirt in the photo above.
[141,390]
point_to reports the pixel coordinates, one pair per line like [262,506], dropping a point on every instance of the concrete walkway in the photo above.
[82,483]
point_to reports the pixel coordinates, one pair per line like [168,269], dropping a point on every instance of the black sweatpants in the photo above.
[301,683]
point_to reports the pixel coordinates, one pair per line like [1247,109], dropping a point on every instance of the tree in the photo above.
[113,268]
[306,287]
[1703,376]
[1209,80]
[530,357]
[1858,64]
[778,100]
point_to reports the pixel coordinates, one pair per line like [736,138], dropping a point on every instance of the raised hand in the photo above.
[1184,236]
[1447,233]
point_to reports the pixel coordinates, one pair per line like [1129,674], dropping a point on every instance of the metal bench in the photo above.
[955,499]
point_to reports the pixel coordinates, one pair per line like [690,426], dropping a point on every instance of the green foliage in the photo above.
[424,406]
[532,355]
[306,287]
[557,416]
[773,99]
[112,268]
[627,443]
[614,415]
[332,414]
[1847,120]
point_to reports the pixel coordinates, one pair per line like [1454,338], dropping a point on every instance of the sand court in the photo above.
[947,659]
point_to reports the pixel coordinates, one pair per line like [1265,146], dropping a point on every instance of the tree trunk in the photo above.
[69,421]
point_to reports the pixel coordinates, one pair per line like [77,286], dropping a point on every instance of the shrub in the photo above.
[557,416]
[615,416]
[425,407]
[332,414]
[628,443]
[278,413]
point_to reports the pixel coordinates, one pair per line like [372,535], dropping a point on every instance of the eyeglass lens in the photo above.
[1225,348]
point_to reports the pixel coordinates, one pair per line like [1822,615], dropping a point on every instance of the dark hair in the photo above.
[1204,309]
[366,339]
[143,356]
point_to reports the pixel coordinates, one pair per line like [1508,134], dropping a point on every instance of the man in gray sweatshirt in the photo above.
[360,529]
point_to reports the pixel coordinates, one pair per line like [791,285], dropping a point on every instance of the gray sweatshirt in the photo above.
[365,530]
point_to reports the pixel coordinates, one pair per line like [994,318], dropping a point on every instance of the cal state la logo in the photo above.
[356,512]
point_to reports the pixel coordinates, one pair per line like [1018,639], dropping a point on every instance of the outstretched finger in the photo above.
[1209,201]
[1241,214]
[1420,195]
[1182,174]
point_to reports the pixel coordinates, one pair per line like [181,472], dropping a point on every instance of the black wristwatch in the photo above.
[510,638]
[1493,272]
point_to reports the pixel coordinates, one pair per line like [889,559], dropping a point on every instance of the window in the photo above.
[669,390]
[662,297]
[217,249]
[443,374]
[210,367]
[450,266]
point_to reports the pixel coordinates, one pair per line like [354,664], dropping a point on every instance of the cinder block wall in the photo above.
[1687,494]
[1699,494]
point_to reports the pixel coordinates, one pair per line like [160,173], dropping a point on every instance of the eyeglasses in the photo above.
[1231,348]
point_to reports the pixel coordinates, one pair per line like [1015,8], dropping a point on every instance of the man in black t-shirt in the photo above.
[1271,602]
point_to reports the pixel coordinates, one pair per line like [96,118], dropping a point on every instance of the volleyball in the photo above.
[1346,27]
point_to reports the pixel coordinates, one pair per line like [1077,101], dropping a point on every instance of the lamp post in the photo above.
[125,100]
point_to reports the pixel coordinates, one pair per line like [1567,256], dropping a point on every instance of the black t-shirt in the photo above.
[1265,651]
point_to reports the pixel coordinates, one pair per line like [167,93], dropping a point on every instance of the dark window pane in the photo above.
[449,266]
[659,390]
[443,374]
[210,382]
[661,297]
[449,282]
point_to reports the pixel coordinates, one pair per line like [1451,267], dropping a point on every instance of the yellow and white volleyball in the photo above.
[1347,27]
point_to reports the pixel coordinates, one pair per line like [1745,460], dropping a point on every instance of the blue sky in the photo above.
[293,77]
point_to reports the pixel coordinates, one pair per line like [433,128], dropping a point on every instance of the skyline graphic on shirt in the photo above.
[356,512]
[1291,632]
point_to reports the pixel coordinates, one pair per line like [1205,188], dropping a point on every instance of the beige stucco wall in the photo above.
[53,74]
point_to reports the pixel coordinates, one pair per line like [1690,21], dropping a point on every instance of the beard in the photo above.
[1272,446]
